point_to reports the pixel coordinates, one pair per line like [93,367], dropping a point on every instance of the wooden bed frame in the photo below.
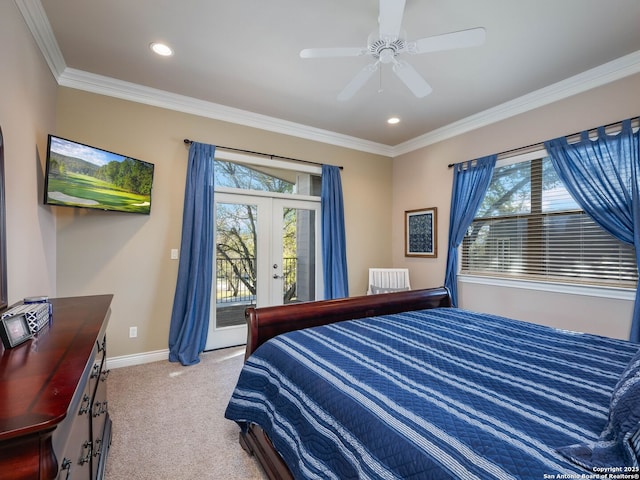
[267,322]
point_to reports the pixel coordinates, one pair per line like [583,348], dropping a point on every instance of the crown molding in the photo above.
[38,23]
[595,77]
[150,96]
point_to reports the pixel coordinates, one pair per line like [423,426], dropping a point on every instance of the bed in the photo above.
[402,385]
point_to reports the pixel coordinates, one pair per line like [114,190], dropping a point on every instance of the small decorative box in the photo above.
[37,314]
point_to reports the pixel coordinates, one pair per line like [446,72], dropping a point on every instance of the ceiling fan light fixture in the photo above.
[161,49]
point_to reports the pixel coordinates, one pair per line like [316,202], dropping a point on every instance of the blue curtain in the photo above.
[602,176]
[334,244]
[192,300]
[470,182]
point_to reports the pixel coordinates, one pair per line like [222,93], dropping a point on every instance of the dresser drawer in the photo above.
[75,458]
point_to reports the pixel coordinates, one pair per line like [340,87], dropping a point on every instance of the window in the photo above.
[266,178]
[529,227]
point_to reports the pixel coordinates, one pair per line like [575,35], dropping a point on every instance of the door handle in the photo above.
[275,275]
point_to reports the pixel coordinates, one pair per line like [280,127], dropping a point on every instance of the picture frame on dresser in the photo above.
[420,232]
[14,330]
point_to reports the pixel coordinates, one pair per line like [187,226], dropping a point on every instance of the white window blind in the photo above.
[529,227]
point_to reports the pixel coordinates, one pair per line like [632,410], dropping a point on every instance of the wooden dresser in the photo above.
[54,420]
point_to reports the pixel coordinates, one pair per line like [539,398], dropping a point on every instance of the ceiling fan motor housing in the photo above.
[383,49]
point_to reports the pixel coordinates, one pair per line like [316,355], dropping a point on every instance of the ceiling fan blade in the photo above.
[358,81]
[332,52]
[390,19]
[411,78]
[449,41]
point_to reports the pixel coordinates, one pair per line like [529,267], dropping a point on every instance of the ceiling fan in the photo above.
[386,45]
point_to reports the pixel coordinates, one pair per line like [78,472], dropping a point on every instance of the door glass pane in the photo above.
[298,255]
[236,257]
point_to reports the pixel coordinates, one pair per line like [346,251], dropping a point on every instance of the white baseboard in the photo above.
[137,359]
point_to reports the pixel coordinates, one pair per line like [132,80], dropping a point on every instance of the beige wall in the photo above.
[27,115]
[422,179]
[128,255]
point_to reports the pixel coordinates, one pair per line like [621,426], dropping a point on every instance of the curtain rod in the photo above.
[188,142]
[635,122]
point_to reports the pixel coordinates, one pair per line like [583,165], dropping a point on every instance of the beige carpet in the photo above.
[168,421]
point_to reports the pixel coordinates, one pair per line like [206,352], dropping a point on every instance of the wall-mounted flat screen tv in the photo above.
[78,175]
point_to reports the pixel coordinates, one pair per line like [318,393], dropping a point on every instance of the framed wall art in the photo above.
[420,233]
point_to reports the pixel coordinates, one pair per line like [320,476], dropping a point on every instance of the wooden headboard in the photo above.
[267,322]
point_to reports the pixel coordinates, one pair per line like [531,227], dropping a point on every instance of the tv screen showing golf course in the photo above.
[79,175]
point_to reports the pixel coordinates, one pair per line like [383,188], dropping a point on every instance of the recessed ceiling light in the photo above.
[393,120]
[161,49]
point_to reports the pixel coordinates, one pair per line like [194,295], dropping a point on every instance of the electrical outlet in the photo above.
[174,254]
[133,332]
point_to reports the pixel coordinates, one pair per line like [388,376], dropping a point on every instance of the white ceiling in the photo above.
[241,59]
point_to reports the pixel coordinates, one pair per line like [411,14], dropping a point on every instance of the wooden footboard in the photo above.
[267,322]
[256,442]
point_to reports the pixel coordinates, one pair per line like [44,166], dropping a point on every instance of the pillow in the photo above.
[619,442]
[375,289]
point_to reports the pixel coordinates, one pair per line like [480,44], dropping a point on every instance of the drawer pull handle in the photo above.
[86,403]
[99,408]
[98,451]
[66,465]
[87,457]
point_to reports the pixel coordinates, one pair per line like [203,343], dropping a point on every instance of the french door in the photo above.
[267,252]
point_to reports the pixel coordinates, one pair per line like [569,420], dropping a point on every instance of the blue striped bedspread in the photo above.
[432,394]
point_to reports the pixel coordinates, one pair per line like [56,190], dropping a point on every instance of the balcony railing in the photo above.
[236,280]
